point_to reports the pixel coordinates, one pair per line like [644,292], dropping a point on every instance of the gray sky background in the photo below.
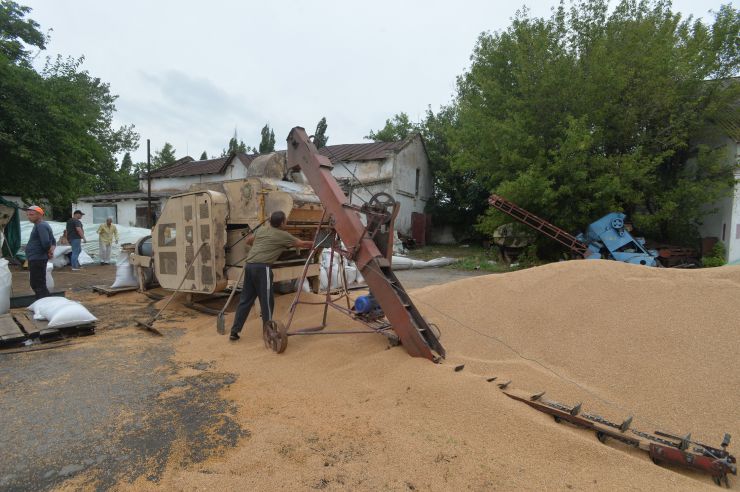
[191,72]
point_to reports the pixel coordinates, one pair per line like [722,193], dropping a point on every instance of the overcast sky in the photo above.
[191,72]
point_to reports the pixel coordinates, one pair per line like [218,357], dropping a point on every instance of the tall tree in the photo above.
[204,156]
[267,144]
[396,128]
[15,31]
[164,156]
[592,111]
[320,139]
[56,136]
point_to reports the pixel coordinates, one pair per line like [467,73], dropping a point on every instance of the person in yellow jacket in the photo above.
[107,233]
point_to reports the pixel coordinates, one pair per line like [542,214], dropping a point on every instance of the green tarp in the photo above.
[10,221]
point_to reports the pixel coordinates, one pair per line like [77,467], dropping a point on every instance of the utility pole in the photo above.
[148,185]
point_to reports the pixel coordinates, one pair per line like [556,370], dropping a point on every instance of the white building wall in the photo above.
[236,170]
[727,216]
[395,176]
[411,158]
[126,210]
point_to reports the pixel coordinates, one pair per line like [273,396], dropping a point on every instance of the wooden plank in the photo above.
[26,322]
[10,332]
[102,289]
[37,328]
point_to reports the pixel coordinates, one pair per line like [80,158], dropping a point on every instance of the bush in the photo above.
[716,258]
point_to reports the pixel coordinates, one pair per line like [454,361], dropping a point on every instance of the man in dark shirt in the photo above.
[39,249]
[267,243]
[76,236]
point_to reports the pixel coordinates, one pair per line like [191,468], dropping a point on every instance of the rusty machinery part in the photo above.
[416,336]
[539,224]
[380,204]
[663,448]
[275,336]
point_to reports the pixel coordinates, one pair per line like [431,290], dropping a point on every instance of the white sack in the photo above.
[71,315]
[125,276]
[61,256]
[46,307]
[49,278]
[351,274]
[85,259]
[324,278]
[6,285]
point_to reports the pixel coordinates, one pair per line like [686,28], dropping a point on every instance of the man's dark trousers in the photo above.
[37,271]
[257,283]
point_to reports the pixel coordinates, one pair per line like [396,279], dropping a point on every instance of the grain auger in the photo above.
[387,309]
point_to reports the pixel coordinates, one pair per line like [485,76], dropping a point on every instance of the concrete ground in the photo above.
[115,407]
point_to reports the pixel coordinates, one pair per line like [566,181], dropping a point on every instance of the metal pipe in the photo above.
[148,185]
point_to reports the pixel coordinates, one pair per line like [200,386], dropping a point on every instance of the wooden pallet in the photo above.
[108,291]
[17,327]
[10,332]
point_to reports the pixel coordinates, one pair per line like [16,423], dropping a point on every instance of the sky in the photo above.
[191,73]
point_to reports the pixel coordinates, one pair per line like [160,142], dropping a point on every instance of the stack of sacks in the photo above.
[353,276]
[61,312]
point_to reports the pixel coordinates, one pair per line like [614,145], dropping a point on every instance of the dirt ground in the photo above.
[192,411]
[116,407]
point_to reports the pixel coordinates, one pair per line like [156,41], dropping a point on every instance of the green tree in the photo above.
[15,31]
[267,144]
[204,156]
[164,156]
[125,177]
[590,111]
[320,139]
[397,128]
[56,136]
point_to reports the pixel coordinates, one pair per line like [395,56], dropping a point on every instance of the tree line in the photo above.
[57,139]
[588,111]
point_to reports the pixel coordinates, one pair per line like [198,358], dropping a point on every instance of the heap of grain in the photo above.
[346,412]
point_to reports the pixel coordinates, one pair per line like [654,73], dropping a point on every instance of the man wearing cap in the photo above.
[76,235]
[39,249]
[268,243]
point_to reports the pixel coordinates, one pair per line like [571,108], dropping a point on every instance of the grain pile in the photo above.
[345,412]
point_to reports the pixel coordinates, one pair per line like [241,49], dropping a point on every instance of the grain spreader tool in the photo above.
[148,325]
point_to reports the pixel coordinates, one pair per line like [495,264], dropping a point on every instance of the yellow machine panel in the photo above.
[188,242]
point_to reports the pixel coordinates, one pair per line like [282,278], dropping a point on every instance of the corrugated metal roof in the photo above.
[336,153]
[189,167]
[362,152]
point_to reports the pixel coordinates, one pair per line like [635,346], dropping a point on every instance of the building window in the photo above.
[102,212]
[418,179]
[724,226]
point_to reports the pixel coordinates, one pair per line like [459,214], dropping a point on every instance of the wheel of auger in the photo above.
[383,200]
[275,336]
[601,436]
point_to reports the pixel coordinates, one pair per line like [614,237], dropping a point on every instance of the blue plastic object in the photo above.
[607,237]
[365,304]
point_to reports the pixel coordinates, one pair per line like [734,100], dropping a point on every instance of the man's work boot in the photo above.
[234,336]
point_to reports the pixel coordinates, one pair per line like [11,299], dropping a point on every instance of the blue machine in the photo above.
[607,237]
[368,307]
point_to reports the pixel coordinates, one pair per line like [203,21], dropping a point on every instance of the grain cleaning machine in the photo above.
[200,232]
